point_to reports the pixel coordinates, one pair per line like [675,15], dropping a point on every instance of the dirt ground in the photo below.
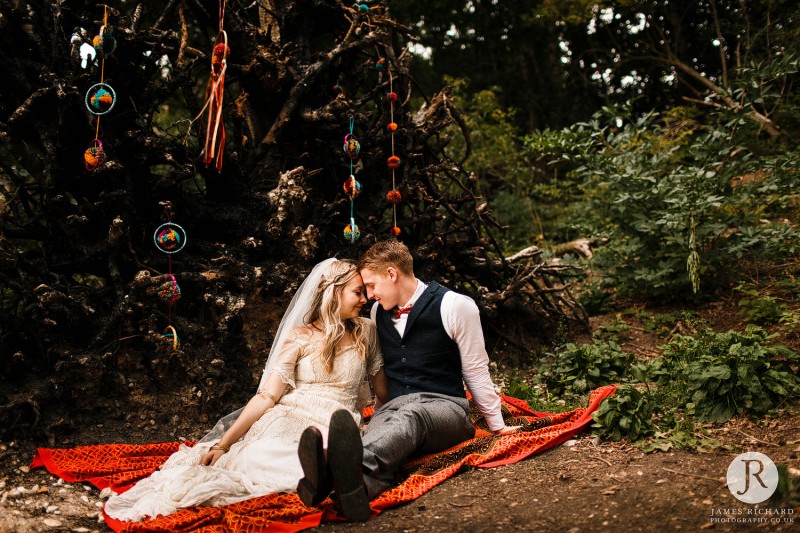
[581,486]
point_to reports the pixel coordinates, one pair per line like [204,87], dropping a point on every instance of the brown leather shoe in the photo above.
[345,453]
[317,484]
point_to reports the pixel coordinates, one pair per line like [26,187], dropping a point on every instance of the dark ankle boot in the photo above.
[317,483]
[345,453]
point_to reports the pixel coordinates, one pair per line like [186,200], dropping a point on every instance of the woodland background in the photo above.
[560,160]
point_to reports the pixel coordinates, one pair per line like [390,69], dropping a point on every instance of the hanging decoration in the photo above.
[101,97]
[170,340]
[214,148]
[352,187]
[169,238]
[393,162]
[94,156]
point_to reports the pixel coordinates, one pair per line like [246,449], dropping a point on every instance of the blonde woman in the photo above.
[322,355]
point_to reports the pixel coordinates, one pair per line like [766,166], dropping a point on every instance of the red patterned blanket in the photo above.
[120,466]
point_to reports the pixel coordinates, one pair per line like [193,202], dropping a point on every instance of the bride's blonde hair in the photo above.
[327,305]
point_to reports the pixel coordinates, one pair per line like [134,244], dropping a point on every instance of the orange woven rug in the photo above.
[119,466]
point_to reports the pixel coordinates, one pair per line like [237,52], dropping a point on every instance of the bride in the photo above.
[319,362]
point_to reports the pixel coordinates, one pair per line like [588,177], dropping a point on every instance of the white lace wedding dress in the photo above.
[265,459]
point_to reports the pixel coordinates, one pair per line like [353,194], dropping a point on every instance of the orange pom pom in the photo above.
[392,127]
[393,162]
[395,231]
[394,197]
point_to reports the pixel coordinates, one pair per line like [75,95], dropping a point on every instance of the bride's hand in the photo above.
[211,457]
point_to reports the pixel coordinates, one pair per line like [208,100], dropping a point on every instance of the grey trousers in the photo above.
[423,422]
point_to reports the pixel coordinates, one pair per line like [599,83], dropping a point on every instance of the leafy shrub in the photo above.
[758,309]
[595,299]
[679,433]
[629,414]
[721,374]
[538,397]
[580,368]
[668,191]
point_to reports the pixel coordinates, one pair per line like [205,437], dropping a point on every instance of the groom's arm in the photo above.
[462,321]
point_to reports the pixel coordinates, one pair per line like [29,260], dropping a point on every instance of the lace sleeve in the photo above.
[374,356]
[287,359]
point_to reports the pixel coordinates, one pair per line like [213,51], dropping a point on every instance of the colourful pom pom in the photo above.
[352,234]
[170,340]
[221,52]
[379,64]
[338,89]
[392,126]
[94,156]
[394,197]
[392,96]
[105,43]
[395,231]
[169,291]
[351,146]
[169,238]
[363,7]
[393,162]
[100,99]
[352,187]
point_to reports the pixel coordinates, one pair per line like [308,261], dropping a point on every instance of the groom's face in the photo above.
[381,287]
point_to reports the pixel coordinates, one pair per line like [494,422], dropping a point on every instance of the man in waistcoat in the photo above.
[432,344]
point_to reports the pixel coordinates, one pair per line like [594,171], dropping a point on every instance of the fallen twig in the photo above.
[716,480]
[754,438]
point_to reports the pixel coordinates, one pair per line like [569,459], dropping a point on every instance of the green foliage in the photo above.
[612,330]
[577,369]
[762,310]
[669,193]
[787,494]
[523,198]
[595,299]
[679,433]
[718,375]
[766,310]
[662,323]
[538,397]
[629,414]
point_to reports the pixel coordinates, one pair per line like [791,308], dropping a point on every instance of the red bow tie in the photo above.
[400,311]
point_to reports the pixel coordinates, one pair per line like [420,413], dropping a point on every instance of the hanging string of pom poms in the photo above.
[393,162]
[169,238]
[352,188]
[101,97]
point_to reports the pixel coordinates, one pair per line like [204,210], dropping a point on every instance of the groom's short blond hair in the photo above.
[384,254]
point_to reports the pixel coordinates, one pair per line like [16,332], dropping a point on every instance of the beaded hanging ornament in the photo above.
[352,187]
[101,97]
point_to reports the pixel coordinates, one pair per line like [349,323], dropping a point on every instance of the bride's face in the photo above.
[352,298]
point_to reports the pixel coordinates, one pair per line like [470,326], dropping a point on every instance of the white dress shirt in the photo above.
[462,322]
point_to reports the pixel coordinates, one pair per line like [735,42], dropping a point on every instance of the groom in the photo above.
[432,344]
